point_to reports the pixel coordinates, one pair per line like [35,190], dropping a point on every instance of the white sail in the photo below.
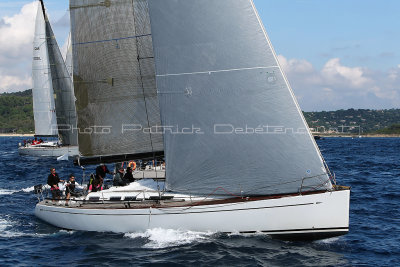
[43,96]
[239,125]
[68,56]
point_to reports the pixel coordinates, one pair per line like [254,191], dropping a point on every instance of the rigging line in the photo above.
[214,71]
[141,79]
[113,40]
[279,184]
[211,194]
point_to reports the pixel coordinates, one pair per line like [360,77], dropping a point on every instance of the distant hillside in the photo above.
[350,120]
[394,129]
[16,115]
[16,112]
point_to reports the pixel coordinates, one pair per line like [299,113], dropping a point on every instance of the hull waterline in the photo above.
[313,216]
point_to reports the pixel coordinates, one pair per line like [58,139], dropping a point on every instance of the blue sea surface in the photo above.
[371,166]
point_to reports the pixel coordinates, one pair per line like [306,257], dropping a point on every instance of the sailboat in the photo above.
[197,84]
[53,96]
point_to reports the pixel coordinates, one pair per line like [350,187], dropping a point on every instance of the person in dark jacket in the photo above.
[101,172]
[70,189]
[128,177]
[52,180]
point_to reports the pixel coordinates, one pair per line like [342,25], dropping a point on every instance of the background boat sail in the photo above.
[203,87]
[53,96]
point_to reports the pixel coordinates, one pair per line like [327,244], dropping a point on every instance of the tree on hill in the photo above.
[393,129]
[16,112]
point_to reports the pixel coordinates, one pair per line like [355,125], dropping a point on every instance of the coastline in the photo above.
[359,136]
[315,134]
[16,135]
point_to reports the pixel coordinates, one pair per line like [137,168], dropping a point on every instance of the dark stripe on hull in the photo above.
[311,236]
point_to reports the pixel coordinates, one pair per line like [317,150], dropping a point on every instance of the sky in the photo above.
[337,54]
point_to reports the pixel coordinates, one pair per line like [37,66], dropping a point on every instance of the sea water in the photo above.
[371,166]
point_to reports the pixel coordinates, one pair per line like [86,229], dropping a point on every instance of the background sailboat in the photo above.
[196,82]
[53,97]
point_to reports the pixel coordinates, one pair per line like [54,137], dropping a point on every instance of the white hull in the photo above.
[49,151]
[305,216]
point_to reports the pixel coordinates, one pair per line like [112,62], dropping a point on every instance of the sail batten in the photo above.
[238,125]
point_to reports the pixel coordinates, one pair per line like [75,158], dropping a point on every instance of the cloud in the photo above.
[16,37]
[337,86]
[8,81]
[334,72]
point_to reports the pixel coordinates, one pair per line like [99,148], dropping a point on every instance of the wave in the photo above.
[7,231]
[331,240]
[163,238]
[10,191]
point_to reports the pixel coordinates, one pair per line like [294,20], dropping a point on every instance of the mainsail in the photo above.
[63,89]
[114,79]
[237,126]
[43,100]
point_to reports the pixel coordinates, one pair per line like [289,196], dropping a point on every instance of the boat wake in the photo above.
[10,192]
[163,238]
[7,191]
[7,230]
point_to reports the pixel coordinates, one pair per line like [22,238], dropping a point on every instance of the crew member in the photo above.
[52,180]
[70,189]
[128,177]
[101,172]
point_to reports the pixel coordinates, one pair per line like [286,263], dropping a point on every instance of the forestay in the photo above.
[114,78]
[231,120]
[43,100]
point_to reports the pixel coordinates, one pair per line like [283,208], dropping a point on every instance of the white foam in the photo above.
[28,189]
[4,224]
[162,238]
[7,191]
[6,231]
[329,240]
[247,234]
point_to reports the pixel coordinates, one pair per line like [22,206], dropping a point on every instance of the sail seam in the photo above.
[115,39]
[214,71]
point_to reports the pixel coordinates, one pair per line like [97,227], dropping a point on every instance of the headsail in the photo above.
[114,79]
[63,89]
[43,100]
[236,122]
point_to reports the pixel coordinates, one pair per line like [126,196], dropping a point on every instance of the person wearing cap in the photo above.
[70,189]
[52,180]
